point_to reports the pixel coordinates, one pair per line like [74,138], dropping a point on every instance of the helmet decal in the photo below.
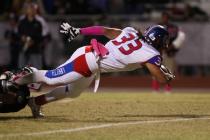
[157,36]
[151,36]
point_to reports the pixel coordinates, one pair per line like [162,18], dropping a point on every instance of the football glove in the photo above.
[70,31]
[168,74]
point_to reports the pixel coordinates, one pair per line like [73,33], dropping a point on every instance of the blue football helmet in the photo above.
[157,36]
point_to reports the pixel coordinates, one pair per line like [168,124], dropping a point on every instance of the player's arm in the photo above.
[73,32]
[162,74]
[112,33]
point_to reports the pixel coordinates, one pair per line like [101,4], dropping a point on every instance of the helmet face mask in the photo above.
[157,36]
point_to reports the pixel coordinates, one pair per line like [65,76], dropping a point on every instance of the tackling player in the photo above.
[127,50]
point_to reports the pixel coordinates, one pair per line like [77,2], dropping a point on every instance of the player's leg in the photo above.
[71,90]
[81,64]
[155,85]
[77,71]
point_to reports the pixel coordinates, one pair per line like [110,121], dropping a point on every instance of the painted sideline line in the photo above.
[100,126]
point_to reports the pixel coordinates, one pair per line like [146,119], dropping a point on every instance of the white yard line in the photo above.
[100,126]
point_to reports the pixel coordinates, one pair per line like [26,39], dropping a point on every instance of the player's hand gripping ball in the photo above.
[167,73]
[70,31]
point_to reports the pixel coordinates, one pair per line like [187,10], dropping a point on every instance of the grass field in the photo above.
[115,116]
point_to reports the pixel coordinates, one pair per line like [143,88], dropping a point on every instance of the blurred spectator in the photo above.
[12,36]
[177,38]
[196,13]
[12,6]
[178,9]
[17,6]
[177,12]
[45,34]
[187,12]
[30,32]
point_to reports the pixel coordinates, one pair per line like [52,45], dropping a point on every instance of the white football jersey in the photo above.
[127,52]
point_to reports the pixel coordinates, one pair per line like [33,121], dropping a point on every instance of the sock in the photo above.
[155,85]
[168,88]
[40,100]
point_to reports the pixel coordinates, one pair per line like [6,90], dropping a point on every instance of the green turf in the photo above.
[105,108]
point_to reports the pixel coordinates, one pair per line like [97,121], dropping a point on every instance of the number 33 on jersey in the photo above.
[128,48]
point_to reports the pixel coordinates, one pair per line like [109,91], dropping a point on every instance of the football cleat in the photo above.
[29,69]
[35,109]
[6,75]
[24,71]
[21,73]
